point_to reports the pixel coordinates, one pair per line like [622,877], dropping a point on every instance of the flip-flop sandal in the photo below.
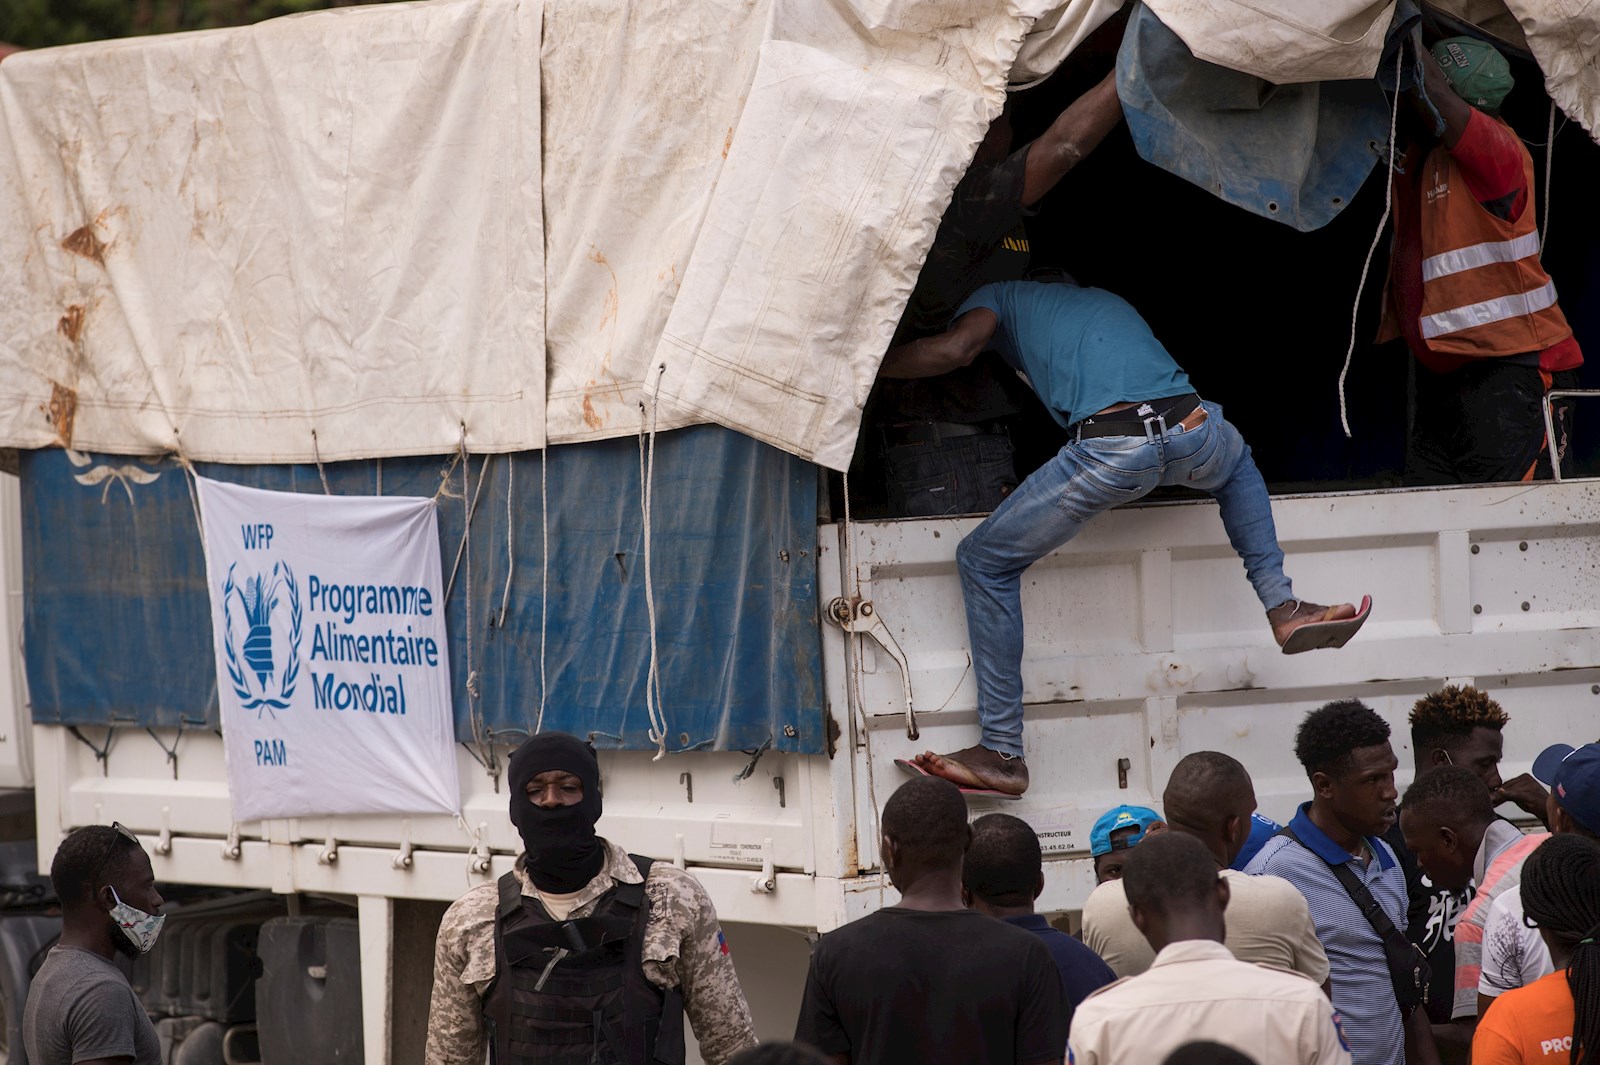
[1320,634]
[978,793]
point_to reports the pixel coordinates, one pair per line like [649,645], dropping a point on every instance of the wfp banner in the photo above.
[333,674]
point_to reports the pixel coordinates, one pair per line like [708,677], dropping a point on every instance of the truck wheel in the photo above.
[203,1046]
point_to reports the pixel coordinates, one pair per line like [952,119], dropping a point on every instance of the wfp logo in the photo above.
[263,677]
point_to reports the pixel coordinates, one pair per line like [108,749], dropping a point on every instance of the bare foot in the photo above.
[977,767]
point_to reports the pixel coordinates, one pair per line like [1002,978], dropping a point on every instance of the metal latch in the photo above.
[403,859]
[857,616]
[766,881]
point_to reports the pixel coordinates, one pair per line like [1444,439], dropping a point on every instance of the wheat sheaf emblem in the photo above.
[258,595]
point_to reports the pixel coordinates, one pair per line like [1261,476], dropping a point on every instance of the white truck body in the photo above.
[1145,643]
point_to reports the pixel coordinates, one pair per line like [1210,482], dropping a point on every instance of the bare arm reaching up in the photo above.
[954,348]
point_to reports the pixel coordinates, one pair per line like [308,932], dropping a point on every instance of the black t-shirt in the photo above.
[1431,917]
[981,239]
[956,987]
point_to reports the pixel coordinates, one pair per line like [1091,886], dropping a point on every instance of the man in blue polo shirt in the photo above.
[1344,747]
[1135,423]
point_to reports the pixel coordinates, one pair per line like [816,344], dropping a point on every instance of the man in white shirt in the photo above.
[1210,797]
[1195,989]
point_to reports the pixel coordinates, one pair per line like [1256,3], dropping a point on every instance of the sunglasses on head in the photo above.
[122,833]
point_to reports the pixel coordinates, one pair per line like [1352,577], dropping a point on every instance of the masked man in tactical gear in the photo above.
[81,1009]
[583,954]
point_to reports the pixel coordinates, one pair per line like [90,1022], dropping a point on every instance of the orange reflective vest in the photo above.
[1484,291]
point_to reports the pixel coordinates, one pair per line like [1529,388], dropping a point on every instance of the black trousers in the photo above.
[1485,423]
[953,475]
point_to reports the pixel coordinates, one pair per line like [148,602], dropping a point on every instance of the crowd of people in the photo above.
[1213,934]
[1371,928]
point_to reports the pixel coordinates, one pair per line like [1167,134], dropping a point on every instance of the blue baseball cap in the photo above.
[1573,775]
[1138,818]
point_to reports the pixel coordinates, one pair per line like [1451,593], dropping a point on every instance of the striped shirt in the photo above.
[1496,869]
[1362,990]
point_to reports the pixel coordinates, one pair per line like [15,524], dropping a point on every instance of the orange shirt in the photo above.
[1529,1025]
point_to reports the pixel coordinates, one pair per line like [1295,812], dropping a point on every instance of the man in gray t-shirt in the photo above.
[81,1009]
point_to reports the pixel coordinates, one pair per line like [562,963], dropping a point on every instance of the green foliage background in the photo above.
[43,23]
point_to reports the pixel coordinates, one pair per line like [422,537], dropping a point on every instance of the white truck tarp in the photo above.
[372,231]
[223,241]
[393,224]
[1338,39]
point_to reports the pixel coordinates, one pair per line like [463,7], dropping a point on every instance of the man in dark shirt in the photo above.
[1003,875]
[945,445]
[1458,726]
[928,980]
[81,1009]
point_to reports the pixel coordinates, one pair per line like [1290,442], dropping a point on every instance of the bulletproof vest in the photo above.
[574,992]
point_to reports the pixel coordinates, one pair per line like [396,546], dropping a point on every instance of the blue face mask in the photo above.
[139,928]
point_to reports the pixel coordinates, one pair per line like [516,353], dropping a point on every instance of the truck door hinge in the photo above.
[858,617]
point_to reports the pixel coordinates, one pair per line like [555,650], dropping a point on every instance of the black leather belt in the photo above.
[1131,422]
[934,432]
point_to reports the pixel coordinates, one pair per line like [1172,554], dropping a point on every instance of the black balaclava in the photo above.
[563,851]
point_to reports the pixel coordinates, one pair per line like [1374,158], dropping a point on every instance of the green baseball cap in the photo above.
[1477,71]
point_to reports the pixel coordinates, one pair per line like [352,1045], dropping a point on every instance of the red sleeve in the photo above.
[1491,158]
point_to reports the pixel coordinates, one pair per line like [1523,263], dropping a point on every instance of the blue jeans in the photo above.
[1085,478]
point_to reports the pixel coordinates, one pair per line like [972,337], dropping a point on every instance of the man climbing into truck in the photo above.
[946,448]
[1135,423]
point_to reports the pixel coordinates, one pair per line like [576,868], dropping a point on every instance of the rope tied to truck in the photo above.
[852,584]
[647,475]
[544,575]
[316,453]
[484,752]
[1366,265]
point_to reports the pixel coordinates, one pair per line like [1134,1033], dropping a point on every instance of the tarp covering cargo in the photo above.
[374,231]
[332,222]
[118,622]
[1338,39]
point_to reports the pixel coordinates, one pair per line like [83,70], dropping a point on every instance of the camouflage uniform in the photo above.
[683,945]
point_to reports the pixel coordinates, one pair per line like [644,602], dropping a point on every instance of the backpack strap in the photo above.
[1408,966]
[1360,894]
[632,895]
[510,896]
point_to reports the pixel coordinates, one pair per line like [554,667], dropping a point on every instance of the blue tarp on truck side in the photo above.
[117,617]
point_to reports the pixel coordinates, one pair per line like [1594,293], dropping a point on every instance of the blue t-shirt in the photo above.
[1082,349]
[1261,830]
